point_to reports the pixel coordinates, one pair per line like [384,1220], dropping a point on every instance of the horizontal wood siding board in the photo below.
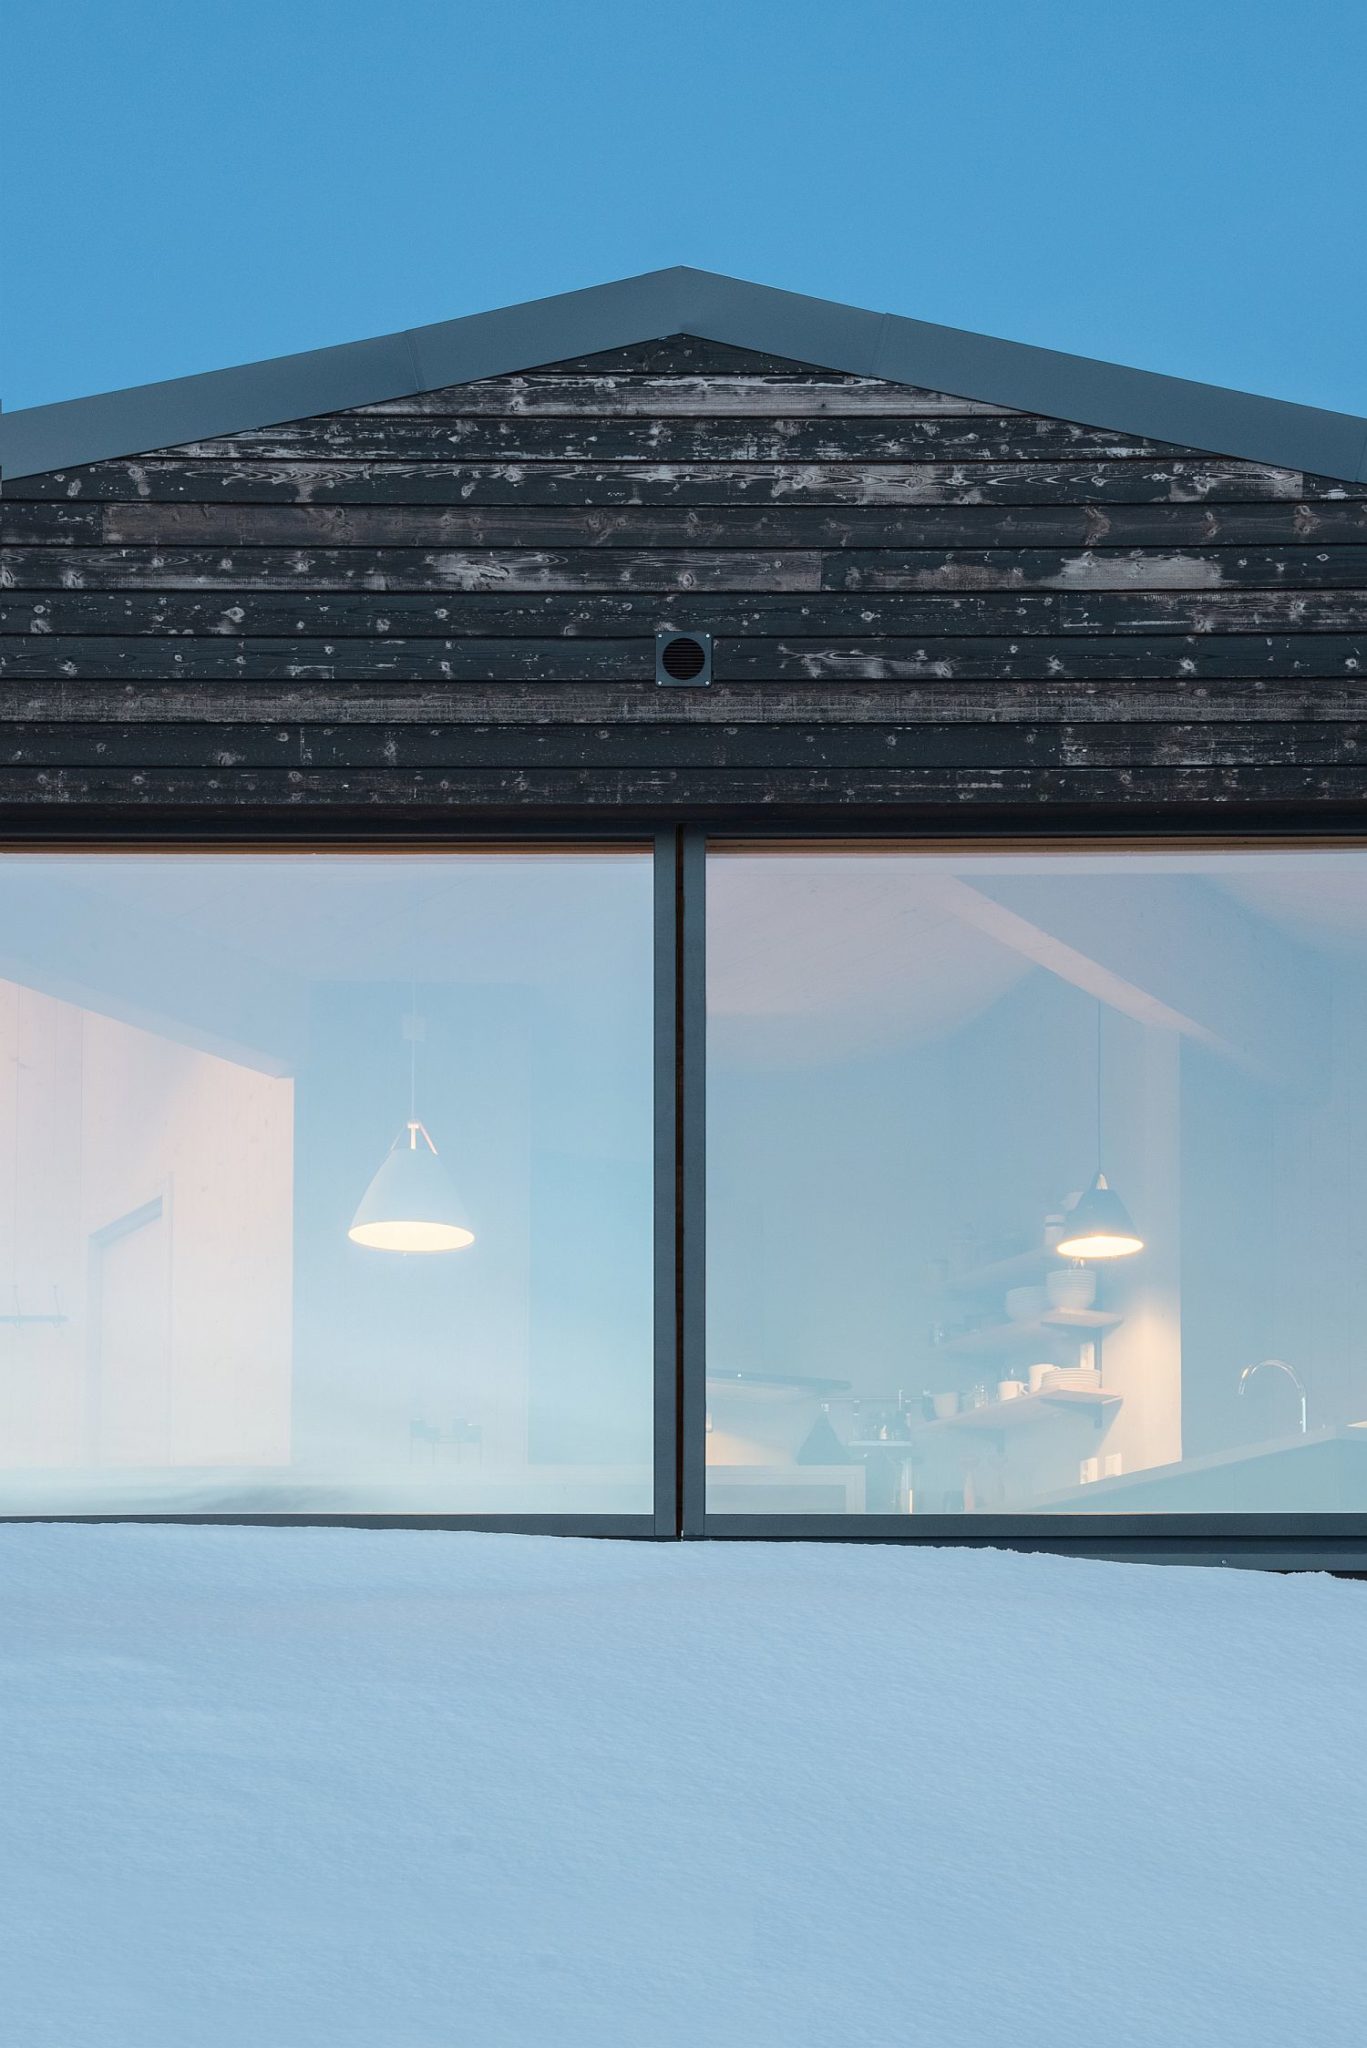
[999,439]
[351,745]
[454,591]
[886,658]
[450,795]
[654,569]
[376,601]
[931,701]
[543,396]
[47,525]
[1149,571]
[546,603]
[1193,657]
[1075,496]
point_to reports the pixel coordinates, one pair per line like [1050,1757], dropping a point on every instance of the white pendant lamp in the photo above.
[410,1204]
[1099,1226]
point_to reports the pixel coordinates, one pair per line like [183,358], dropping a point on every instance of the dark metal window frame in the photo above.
[1278,1542]
[1331,1541]
[226,835]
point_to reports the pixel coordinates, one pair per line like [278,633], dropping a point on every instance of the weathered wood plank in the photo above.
[544,611]
[351,438]
[410,795]
[931,701]
[455,569]
[1195,656]
[641,592]
[897,562]
[848,572]
[542,396]
[65,524]
[218,659]
[1102,569]
[883,658]
[356,746]
[1066,501]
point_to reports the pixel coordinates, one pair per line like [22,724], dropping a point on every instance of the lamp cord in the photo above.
[14,1190]
[413,1052]
[1099,1147]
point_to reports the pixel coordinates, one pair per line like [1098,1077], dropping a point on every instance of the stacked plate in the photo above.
[1072,1379]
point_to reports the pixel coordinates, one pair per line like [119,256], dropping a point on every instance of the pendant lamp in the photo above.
[410,1204]
[1099,1225]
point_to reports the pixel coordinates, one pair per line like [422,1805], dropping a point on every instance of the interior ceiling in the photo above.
[519,919]
[1317,900]
[809,959]
[815,959]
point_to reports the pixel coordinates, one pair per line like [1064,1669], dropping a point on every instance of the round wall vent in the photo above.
[683,658]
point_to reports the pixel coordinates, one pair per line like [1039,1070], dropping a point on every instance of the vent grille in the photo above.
[683,658]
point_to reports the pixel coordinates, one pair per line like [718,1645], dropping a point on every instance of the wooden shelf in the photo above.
[1026,1411]
[995,1338]
[759,1386]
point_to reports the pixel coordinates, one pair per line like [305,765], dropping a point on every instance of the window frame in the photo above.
[226,836]
[1331,1541]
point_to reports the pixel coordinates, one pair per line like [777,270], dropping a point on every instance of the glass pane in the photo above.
[327,1183]
[919,1302]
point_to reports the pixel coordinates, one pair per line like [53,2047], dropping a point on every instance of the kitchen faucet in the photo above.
[1276,1365]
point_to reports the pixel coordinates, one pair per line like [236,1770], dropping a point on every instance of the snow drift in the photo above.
[340,1789]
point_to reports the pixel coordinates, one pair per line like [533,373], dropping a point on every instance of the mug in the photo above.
[946,1407]
[1007,1390]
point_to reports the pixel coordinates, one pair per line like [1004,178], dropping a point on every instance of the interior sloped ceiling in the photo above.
[1317,898]
[816,960]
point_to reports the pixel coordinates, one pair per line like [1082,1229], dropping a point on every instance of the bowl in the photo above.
[1071,1287]
[1024,1304]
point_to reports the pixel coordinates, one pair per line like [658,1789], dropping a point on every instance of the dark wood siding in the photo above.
[449,603]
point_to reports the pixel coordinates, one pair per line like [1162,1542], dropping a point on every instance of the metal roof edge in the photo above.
[113,424]
[716,308]
[1211,417]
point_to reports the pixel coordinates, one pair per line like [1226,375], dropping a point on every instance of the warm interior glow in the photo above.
[399,1236]
[1098,1245]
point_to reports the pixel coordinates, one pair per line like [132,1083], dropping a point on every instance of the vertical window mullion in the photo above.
[666,1226]
[692,1182]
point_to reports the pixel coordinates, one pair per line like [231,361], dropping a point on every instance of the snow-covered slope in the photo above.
[332,1789]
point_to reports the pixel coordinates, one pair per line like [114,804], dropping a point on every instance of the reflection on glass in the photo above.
[1036,1183]
[217,1083]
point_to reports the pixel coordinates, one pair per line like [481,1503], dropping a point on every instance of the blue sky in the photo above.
[1171,183]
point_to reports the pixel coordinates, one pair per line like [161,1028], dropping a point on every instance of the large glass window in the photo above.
[326,1183]
[1037,1181]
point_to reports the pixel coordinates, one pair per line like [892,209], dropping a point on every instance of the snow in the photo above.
[351,1789]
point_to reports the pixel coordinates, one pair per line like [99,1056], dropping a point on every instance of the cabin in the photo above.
[685,911]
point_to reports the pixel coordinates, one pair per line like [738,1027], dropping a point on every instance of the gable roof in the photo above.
[683,301]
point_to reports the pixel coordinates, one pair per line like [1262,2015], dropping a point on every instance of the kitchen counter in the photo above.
[1324,1472]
